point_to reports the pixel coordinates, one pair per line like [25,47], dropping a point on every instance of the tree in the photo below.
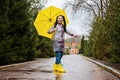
[105,33]
[82,45]
[16,43]
[19,40]
[43,45]
[112,20]
[97,7]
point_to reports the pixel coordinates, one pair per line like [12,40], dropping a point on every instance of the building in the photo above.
[72,45]
[74,48]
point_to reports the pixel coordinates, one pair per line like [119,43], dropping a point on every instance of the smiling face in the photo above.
[60,19]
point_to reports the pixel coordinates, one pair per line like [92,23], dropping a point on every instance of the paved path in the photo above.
[77,67]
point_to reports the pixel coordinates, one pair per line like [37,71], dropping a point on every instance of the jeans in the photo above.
[59,55]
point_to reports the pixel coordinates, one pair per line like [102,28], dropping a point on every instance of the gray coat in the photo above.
[58,38]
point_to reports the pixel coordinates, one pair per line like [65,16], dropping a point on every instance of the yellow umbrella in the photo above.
[46,19]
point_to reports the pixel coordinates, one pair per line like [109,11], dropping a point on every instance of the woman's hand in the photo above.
[54,29]
[75,35]
[51,30]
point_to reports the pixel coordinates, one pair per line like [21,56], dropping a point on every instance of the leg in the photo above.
[61,55]
[57,61]
[58,57]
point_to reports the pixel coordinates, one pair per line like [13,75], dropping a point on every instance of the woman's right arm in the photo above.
[51,30]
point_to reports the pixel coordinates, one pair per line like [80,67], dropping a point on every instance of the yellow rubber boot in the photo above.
[60,68]
[55,67]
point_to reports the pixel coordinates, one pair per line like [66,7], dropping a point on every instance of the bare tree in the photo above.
[98,7]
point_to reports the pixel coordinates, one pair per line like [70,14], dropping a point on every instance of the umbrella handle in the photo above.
[50,19]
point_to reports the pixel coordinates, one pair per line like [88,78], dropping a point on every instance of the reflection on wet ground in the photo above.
[77,68]
[58,75]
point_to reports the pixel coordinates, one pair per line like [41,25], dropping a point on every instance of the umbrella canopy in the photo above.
[46,19]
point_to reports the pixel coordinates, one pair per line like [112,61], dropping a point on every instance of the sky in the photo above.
[57,3]
[79,22]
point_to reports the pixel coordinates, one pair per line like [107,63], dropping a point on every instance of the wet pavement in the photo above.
[77,68]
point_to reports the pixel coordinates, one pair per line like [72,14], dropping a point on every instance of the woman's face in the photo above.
[60,19]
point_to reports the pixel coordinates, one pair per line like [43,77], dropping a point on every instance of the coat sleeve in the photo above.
[69,33]
[51,30]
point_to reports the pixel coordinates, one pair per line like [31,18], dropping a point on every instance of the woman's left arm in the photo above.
[69,33]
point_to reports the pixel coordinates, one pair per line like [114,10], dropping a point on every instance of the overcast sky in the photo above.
[57,3]
[78,21]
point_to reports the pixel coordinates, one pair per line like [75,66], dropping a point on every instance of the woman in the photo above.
[58,40]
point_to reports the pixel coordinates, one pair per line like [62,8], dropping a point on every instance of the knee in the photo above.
[58,54]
